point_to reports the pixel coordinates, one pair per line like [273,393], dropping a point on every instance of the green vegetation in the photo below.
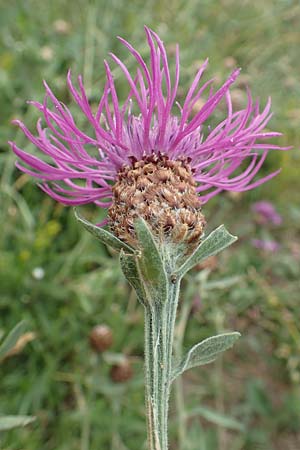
[62,282]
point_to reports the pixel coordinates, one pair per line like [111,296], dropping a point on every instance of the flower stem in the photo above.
[159,334]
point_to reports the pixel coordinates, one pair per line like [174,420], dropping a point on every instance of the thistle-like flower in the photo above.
[267,245]
[143,159]
[266,213]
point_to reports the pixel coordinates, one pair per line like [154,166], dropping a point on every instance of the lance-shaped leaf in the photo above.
[205,352]
[223,420]
[130,270]
[103,235]
[9,422]
[12,338]
[216,241]
[150,264]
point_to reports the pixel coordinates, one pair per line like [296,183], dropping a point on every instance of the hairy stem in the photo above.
[159,334]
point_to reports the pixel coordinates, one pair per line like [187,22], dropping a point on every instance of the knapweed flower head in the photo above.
[148,156]
[266,213]
[267,245]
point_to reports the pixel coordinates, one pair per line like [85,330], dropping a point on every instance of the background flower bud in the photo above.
[121,372]
[101,338]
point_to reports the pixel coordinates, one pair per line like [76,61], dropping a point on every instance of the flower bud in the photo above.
[121,372]
[162,192]
[101,338]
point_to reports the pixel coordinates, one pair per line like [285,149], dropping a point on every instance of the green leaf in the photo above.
[205,352]
[216,241]
[103,235]
[217,418]
[130,270]
[223,283]
[9,422]
[11,339]
[149,263]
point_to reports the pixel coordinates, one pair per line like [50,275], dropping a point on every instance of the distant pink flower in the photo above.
[268,245]
[267,213]
[78,168]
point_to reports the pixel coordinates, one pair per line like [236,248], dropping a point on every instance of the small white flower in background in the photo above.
[61,26]
[46,53]
[38,273]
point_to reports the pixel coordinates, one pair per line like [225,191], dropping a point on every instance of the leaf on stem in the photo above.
[205,352]
[103,235]
[150,264]
[216,241]
[130,270]
[217,418]
[11,339]
[9,422]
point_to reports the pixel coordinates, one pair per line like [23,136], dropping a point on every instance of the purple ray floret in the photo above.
[78,168]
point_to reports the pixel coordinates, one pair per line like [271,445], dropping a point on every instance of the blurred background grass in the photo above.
[55,276]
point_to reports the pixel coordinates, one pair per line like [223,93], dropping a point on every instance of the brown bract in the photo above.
[163,193]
